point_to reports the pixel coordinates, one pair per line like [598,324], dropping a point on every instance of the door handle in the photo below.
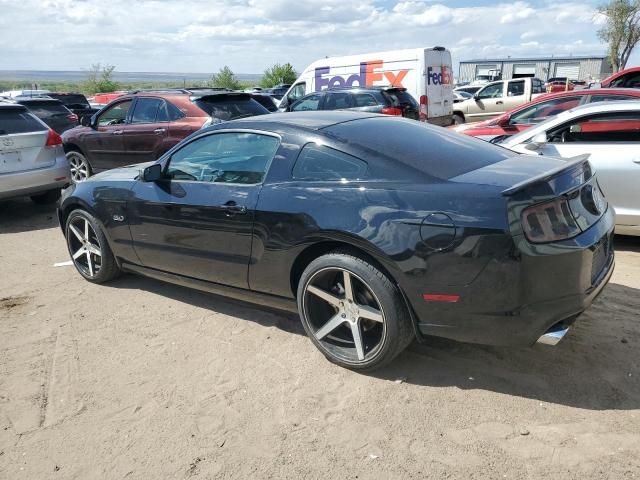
[158,131]
[232,208]
[117,132]
[499,102]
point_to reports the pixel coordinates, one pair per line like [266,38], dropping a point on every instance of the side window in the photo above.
[605,127]
[491,91]
[543,110]
[631,80]
[537,86]
[232,157]
[309,102]
[174,112]
[515,89]
[163,112]
[115,115]
[297,92]
[364,100]
[146,110]
[317,162]
[336,101]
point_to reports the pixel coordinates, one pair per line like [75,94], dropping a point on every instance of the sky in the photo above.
[251,35]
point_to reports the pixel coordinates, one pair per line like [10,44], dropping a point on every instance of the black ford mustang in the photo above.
[376,229]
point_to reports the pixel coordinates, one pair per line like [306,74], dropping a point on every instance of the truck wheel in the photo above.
[458,119]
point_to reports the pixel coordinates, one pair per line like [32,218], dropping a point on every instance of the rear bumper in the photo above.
[518,298]
[33,182]
[443,121]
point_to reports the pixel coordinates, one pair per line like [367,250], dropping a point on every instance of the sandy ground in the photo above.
[144,380]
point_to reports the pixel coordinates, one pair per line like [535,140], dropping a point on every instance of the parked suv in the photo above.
[386,100]
[52,112]
[141,126]
[76,102]
[32,161]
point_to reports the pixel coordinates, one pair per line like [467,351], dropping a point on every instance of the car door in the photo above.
[487,103]
[147,131]
[197,220]
[516,95]
[105,142]
[613,142]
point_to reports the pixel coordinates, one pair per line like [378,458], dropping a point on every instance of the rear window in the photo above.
[433,150]
[401,98]
[229,109]
[16,121]
[72,101]
[46,109]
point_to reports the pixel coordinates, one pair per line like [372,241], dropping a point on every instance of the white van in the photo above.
[425,72]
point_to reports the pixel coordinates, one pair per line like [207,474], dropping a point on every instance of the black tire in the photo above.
[458,119]
[46,198]
[79,165]
[94,268]
[396,330]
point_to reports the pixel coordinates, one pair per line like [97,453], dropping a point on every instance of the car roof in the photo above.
[313,120]
[612,106]
[30,100]
[11,106]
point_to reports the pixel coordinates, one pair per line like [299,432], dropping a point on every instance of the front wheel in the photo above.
[89,249]
[352,312]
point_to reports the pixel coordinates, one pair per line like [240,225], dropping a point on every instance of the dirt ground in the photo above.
[143,380]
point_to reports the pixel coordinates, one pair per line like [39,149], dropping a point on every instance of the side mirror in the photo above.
[152,173]
[503,121]
[537,142]
[85,120]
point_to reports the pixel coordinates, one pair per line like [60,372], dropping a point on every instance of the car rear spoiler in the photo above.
[571,162]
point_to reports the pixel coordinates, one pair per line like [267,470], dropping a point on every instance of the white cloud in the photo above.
[249,35]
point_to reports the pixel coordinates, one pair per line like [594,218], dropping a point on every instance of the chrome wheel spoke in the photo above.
[86,230]
[94,250]
[326,296]
[79,253]
[370,313]
[348,287]
[89,263]
[333,323]
[357,339]
[77,233]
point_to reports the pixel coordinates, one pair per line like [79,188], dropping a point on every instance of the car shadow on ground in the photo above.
[267,317]
[596,366]
[627,243]
[22,215]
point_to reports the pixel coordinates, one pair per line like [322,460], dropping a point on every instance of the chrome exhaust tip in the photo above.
[554,335]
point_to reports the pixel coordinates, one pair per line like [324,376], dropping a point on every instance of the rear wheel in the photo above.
[80,168]
[458,119]
[352,312]
[45,198]
[89,249]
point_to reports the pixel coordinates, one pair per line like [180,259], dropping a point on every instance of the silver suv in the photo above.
[32,161]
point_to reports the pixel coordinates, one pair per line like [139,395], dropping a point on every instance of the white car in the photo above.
[609,132]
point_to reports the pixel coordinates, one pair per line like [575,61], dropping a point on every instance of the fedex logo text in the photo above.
[370,74]
[439,78]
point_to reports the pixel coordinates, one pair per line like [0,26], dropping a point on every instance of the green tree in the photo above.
[225,78]
[278,74]
[100,79]
[621,31]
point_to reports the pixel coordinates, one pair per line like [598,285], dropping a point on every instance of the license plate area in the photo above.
[10,161]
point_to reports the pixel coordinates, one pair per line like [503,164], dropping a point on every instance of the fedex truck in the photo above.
[425,72]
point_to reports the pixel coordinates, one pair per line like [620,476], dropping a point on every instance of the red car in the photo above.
[627,78]
[540,109]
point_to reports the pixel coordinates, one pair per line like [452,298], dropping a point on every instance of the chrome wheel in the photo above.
[79,167]
[84,246]
[345,316]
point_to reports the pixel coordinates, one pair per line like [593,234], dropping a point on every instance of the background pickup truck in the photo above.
[496,98]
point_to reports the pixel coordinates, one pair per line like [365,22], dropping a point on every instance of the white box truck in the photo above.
[425,72]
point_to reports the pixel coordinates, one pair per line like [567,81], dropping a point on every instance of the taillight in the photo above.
[424,108]
[549,222]
[392,111]
[53,139]
[72,117]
